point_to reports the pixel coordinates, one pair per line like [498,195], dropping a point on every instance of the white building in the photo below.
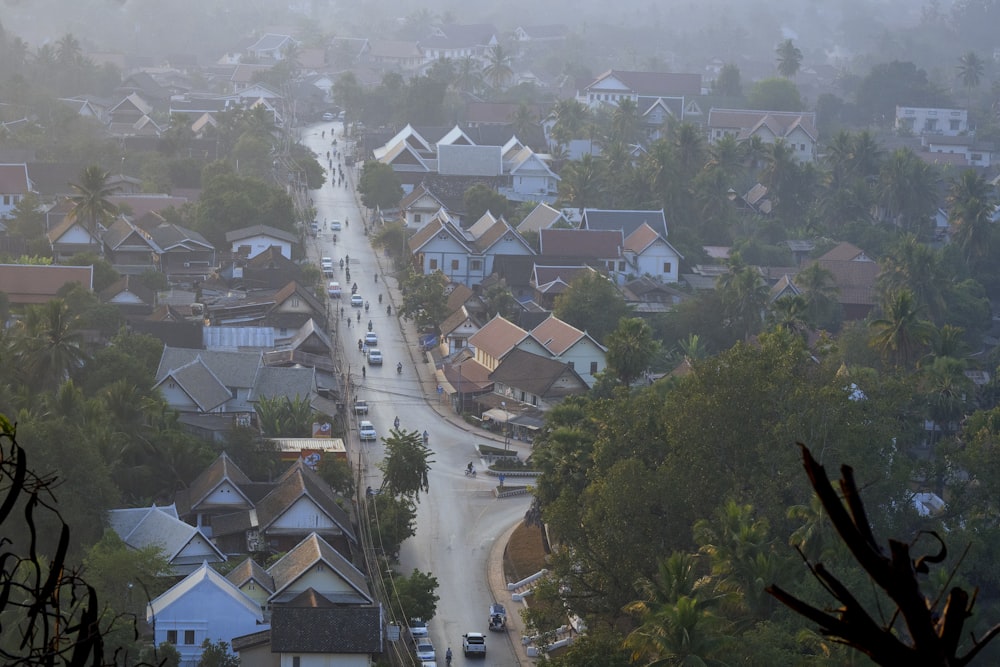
[921,120]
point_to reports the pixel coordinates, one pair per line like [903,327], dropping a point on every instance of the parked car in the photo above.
[357,301]
[371,340]
[474,643]
[360,407]
[374,357]
[425,650]
[366,431]
[329,116]
[335,225]
[313,228]
[334,290]
[326,262]
[418,627]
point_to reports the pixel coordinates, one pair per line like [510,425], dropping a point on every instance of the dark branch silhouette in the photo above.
[933,634]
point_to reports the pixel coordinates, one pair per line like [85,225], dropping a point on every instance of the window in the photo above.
[955,125]
[432,264]
[189,637]
[296,661]
[522,397]
[233,391]
[476,264]
[593,367]
[668,267]
[454,265]
[295,302]
[802,147]
[6,200]
[621,265]
[418,217]
[171,636]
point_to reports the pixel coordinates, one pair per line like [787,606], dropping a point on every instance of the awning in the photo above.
[498,415]
[528,422]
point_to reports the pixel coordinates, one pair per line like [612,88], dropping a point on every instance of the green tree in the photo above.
[789,59]
[406,465]
[972,202]
[424,298]
[901,330]
[778,94]
[631,349]
[379,186]
[582,183]
[284,417]
[907,191]
[391,521]
[819,294]
[47,344]
[728,81]
[498,71]
[229,201]
[338,474]
[498,300]
[123,577]
[481,198]
[744,297]
[571,116]
[217,654]
[970,71]
[92,205]
[593,304]
[414,596]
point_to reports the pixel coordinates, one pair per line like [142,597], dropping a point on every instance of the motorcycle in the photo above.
[470,472]
[399,368]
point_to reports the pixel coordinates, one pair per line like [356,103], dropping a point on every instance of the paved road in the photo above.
[459,521]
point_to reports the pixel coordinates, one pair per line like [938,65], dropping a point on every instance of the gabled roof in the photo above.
[135,101]
[65,225]
[654,83]
[541,217]
[458,297]
[497,337]
[128,284]
[38,283]
[557,336]
[294,288]
[748,121]
[439,224]
[122,231]
[643,237]
[496,232]
[407,135]
[553,280]
[310,551]
[458,35]
[270,42]
[420,191]
[588,243]
[535,374]
[141,204]
[260,230]
[455,137]
[156,526]
[250,570]
[625,220]
[326,629]
[223,469]
[459,160]
[14,179]
[412,158]
[234,369]
[200,384]
[275,381]
[297,482]
[455,320]
[845,252]
[204,575]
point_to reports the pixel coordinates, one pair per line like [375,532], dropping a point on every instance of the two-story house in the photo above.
[796,129]
[183,546]
[14,185]
[927,120]
[248,242]
[649,254]
[456,41]
[567,344]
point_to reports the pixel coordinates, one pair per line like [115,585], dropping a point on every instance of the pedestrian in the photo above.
[380,298]
[360,345]
[348,322]
[388,310]
[376,282]
[359,317]
[341,311]
[364,373]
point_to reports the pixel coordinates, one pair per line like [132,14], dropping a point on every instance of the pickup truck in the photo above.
[474,643]
[360,407]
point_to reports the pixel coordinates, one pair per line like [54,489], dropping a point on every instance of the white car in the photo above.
[326,262]
[334,290]
[425,650]
[418,627]
[374,357]
[371,340]
[335,225]
[366,431]
[357,301]
[329,116]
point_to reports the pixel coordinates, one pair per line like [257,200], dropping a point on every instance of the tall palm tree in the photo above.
[523,120]
[901,330]
[571,116]
[498,70]
[92,203]
[68,51]
[970,71]
[725,155]
[789,58]
[47,344]
[744,297]
[625,122]
[907,190]
[583,183]
[972,204]
[468,75]
[915,266]
[779,170]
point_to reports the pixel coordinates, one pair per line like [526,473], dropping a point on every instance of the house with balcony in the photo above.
[130,249]
[926,120]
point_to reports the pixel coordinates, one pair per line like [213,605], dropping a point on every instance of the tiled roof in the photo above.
[310,551]
[234,369]
[457,35]
[655,83]
[14,179]
[272,382]
[641,238]
[497,337]
[131,285]
[38,283]
[295,288]
[780,123]
[222,469]
[556,336]
[591,243]
[625,220]
[393,49]
[854,280]
[535,374]
[845,252]
[458,297]
[204,574]
[321,629]
[299,481]
[249,570]
[454,320]
[544,276]
[200,384]
[155,527]
[463,160]
[260,230]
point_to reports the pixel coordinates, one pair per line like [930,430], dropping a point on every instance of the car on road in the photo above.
[357,301]
[474,643]
[360,407]
[334,289]
[336,226]
[374,357]
[366,431]
[371,340]
[425,650]
[418,627]
[329,116]
[313,228]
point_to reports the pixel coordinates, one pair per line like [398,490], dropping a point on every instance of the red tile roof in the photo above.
[14,179]
[588,243]
[31,283]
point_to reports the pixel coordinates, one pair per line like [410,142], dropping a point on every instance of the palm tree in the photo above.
[780,170]
[571,116]
[907,190]
[970,71]
[92,202]
[625,122]
[917,267]
[498,70]
[972,204]
[726,156]
[68,51]
[523,120]
[789,59]
[948,392]
[744,297]
[689,144]
[47,344]
[582,183]
[468,75]
[901,330]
